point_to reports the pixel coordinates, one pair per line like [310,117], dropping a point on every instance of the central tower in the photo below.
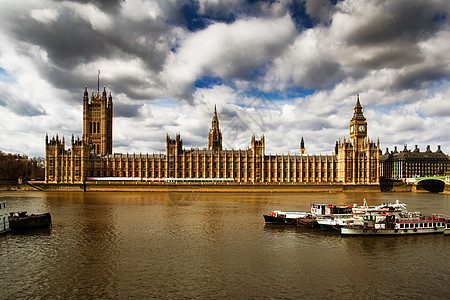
[97,122]
[215,136]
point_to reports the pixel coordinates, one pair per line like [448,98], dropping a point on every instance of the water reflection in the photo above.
[213,245]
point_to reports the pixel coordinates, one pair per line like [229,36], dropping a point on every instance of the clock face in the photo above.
[361,128]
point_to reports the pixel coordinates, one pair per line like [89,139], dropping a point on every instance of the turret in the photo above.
[215,135]
[302,147]
[104,94]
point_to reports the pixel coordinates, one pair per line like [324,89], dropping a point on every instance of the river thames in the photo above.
[215,246]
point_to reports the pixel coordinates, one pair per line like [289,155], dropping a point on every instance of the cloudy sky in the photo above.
[286,69]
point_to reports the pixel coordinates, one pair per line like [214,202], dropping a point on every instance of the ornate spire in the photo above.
[302,146]
[358,110]
[215,120]
[215,136]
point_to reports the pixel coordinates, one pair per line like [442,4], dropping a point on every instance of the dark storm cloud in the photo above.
[68,41]
[127,110]
[71,41]
[393,57]
[322,75]
[136,88]
[401,21]
[418,78]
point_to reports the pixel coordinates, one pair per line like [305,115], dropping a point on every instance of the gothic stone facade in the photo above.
[354,161]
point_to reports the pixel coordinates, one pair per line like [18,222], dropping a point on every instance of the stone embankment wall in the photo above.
[200,187]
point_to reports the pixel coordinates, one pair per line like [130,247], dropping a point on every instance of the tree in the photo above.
[15,166]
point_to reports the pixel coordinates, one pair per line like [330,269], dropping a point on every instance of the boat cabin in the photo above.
[329,209]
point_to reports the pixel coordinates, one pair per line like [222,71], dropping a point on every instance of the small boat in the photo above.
[406,224]
[305,219]
[21,220]
[4,218]
[382,208]
[284,217]
[337,221]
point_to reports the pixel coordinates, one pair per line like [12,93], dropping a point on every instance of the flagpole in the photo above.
[98,81]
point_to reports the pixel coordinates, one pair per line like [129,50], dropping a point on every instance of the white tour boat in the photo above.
[337,221]
[405,224]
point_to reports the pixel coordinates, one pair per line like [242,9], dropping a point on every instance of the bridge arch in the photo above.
[434,184]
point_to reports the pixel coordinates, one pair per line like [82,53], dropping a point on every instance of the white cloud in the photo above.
[46,15]
[395,55]
[98,19]
[229,50]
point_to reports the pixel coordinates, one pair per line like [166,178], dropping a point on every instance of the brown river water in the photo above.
[213,246]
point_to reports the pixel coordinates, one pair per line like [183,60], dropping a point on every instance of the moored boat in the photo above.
[305,219]
[22,220]
[382,208]
[284,217]
[406,224]
[337,221]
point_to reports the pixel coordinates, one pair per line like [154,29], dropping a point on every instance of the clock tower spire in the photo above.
[358,125]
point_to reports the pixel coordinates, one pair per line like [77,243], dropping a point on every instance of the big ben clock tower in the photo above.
[358,158]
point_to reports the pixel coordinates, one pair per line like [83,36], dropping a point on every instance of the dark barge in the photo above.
[22,220]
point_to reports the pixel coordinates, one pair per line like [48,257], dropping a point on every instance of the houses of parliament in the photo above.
[353,161]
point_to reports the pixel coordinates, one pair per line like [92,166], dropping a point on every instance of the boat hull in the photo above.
[30,222]
[279,220]
[307,223]
[330,227]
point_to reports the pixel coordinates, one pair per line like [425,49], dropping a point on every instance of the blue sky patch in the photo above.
[288,94]
[5,77]
[207,82]
[195,21]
